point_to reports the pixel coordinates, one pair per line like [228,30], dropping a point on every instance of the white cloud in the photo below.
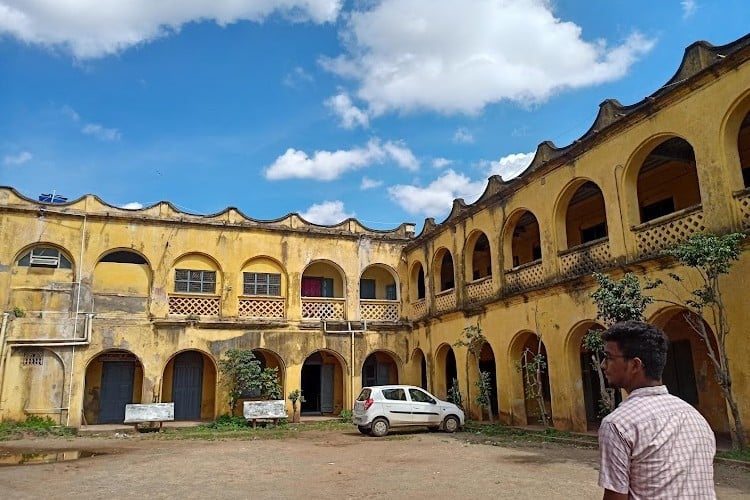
[463,136]
[412,54]
[349,114]
[326,213]
[368,183]
[509,166]
[688,8]
[90,28]
[441,162]
[18,159]
[133,205]
[330,165]
[70,113]
[297,77]
[101,133]
[437,198]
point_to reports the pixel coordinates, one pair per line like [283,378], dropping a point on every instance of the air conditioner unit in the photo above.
[40,260]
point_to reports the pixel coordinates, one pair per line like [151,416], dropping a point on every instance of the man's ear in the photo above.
[638,363]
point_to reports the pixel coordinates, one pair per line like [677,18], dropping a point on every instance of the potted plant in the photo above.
[294,396]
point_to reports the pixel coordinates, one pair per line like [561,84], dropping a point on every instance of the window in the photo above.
[536,252]
[366,289]
[657,209]
[35,358]
[192,281]
[390,292]
[594,232]
[45,257]
[124,257]
[420,397]
[394,394]
[261,284]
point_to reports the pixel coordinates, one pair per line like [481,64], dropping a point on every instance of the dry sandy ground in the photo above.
[315,464]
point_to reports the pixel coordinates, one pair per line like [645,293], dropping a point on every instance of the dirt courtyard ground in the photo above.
[315,464]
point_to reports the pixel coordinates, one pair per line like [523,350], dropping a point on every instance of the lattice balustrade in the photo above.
[198,306]
[585,259]
[479,290]
[654,237]
[378,310]
[419,308]
[743,200]
[445,301]
[528,276]
[262,307]
[322,308]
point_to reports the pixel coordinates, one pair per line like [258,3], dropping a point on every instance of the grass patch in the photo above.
[498,433]
[33,426]
[228,427]
[742,456]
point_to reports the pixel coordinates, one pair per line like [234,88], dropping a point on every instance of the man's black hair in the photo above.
[637,339]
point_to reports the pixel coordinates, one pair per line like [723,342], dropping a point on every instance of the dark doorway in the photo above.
[311,388]
[117,390]
[489,367]
[187,386]
[423,372]
[450,370]
[679,374]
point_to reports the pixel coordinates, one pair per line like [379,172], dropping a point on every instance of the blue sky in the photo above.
[381,110]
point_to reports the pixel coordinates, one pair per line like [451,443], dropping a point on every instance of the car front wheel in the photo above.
[363,429]
[379,427]
[451,423]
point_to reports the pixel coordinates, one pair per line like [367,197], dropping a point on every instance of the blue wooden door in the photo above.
[187,386]
[117,391]
[326,388]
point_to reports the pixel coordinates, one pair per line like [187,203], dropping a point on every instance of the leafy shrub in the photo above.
[346,416]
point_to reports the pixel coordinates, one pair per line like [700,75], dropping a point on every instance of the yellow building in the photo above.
[107,306]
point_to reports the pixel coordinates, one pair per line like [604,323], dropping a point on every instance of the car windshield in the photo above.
[364,395]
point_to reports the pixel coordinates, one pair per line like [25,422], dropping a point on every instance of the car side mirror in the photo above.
[433,402]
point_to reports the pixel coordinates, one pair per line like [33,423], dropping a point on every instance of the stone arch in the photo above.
[521,239]
[195,285]
[445,370]
[689,374]
[417,286]
[113,379]
[525,411]
[323,290]
[189,379]
[323,383]
[381,367]
[443,274]
[585,412]
[486,363]
[35,267]
[735,134]
[580,214]
[420,362]
[647,194]
[379,293]
[383,276]
[122,282]
[477,256]
[263,283]
[41,390]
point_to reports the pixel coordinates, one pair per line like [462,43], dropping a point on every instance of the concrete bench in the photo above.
[272,410]
[149,412]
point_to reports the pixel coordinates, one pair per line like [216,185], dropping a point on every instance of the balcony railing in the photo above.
[585,259]
[262,307]
[194,305]
[656,235]
[379,310]
[480,289]
[419,309]
[322,308]
[529,275]
[445,300]
[743,200]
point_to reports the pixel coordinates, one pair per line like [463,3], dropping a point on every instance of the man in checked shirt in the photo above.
[654,445]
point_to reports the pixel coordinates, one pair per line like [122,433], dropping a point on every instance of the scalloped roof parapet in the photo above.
[698,56]
[92,205]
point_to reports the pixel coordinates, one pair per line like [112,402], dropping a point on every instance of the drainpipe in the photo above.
[75,320]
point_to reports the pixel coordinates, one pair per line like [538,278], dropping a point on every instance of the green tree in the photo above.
[473,339]
[712,256]
[243,373]
[616,300]
[532,366]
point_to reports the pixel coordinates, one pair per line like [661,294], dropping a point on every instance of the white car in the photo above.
[379,408]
